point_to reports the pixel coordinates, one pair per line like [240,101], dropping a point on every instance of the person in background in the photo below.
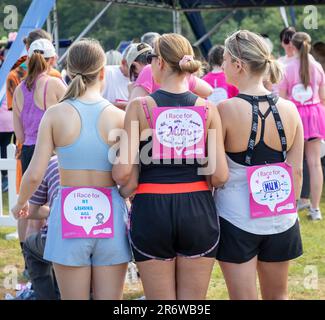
[318,52]
[285,38]
[113,58]
[16,75]
[37,92]
[216,77]
[41,271]
[6,133]
[304,84]
[149,38]
[117,78]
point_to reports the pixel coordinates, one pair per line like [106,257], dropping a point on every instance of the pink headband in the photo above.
[186,59]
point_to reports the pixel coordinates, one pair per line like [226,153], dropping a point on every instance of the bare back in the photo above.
[66,126]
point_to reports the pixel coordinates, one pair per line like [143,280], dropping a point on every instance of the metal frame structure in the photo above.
[200,5]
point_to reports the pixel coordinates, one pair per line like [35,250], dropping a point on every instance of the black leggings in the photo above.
[26,156]
[5,138]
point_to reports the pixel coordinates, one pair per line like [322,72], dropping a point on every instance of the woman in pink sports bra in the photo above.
[304,85]
[34,95]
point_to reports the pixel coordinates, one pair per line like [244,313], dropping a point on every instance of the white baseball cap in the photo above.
[134,50]
[44,46]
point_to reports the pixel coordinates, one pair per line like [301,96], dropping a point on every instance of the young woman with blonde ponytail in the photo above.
[86,239]
[304,85]
[174,228]
[263,136]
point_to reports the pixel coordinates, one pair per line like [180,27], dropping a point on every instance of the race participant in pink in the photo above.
[216,77]
[174,228]
[304,85]
[145,84]
[263,138]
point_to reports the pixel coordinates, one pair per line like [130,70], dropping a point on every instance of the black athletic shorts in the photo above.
[163,226]
[239,246]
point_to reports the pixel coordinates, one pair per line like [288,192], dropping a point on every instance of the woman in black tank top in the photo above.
[174,227]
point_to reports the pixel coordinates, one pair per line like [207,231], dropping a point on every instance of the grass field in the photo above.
[306,275]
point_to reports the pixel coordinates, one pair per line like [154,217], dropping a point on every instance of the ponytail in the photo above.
[37,64]
[275,71]
[77,87]
[86,58]
[302,41]
[304,64]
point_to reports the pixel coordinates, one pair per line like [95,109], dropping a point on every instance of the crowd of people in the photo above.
[138,156]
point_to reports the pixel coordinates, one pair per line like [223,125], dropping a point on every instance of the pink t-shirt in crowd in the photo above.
[292,84]
[145,80]
[222,90]
[6,117]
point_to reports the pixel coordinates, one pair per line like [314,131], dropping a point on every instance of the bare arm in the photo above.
[38,165]
[18,126]
[217,163]
[322,94]
[129,189]
[202,88]
[38,212]
[129,146]
[138,92]
[295,156]
[55,91]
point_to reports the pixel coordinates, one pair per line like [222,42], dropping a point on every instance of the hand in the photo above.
[20,211]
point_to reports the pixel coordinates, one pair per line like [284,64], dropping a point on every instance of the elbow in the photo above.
[121,177]
[33,178]
[220,178]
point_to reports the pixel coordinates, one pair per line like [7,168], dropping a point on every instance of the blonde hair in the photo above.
[302,42]
[172,47]
[253,50]
[85,59]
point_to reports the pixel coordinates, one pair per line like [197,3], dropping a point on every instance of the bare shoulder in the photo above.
[134,105]
[287,108]
[227,107]
[113,113]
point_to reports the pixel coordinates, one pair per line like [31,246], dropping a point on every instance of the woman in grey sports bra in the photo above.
[259,229]
[86,240]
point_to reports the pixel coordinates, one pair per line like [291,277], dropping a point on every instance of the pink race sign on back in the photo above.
[179,132]
[86,212]
[271,190]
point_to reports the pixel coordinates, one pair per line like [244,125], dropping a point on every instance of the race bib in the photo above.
[301,94]
[179,132]
[271,191]
[217,95]
[86,212]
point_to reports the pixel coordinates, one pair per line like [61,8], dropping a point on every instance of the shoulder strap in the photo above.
[146,111]
[251,142]
[272,101]
[45,90]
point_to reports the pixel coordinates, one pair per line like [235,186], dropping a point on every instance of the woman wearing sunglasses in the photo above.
[174,227]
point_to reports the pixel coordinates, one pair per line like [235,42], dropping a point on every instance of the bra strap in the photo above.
[146,111]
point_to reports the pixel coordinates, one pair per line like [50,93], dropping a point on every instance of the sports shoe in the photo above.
[301,205]
[26,294]
[314,214]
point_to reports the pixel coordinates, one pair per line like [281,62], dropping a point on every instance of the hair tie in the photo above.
[186,59]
